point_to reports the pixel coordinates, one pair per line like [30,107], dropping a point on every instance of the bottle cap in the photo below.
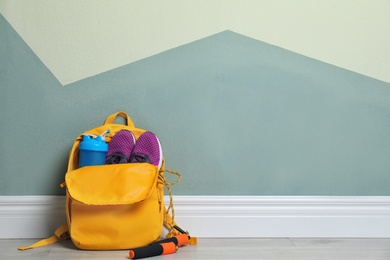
[93,144]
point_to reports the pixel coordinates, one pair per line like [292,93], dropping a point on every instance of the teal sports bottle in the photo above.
[93,150]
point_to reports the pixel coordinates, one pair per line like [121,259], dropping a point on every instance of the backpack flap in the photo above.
[113,184]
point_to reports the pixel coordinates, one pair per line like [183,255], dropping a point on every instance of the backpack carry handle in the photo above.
[111,118]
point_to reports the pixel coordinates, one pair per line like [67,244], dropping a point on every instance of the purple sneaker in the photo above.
[147,149]
[120,147]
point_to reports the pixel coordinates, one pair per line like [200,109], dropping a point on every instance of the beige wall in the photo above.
[77,39]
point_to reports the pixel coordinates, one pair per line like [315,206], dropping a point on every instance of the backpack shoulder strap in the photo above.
[61,233]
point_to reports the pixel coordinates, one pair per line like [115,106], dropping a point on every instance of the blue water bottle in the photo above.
[93,150]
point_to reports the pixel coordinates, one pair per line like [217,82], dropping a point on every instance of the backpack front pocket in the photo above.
[114,206]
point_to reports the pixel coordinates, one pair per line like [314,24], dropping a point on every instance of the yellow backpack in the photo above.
[117,206]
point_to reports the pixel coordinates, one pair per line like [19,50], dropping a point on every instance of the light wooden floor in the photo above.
[215,249]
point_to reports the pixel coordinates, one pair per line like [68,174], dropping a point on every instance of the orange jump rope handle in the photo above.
[179,240]
[153,250]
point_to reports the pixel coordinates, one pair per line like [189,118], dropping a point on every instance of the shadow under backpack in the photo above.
[115,206]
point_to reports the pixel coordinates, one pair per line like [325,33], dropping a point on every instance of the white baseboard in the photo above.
[226,216]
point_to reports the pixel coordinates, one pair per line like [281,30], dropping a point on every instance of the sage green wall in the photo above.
[235,116]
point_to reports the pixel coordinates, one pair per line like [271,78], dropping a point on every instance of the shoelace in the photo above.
[116,158]
[140,157]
